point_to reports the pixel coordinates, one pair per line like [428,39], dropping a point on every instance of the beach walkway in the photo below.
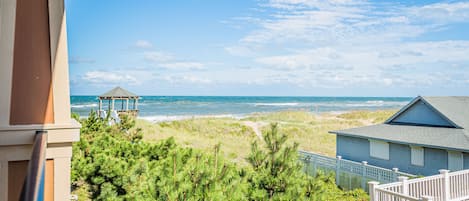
[256,126]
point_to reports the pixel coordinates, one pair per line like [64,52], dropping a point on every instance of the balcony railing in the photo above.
[33,181]
[445,186]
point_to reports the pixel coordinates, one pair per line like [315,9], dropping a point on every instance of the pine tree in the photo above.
[276,172]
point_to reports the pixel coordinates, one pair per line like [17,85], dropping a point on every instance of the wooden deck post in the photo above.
[446,189]
[372,188]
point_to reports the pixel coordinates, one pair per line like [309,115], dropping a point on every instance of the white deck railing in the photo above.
[347,170]
[445,186]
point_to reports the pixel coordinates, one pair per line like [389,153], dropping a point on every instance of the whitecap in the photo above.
[85,105]
[276,104]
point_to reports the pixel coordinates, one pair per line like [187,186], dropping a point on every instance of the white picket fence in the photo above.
[349,174]
[445,186]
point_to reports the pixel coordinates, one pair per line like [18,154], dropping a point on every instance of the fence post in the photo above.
[337,170]
[307,161]
[427,198]
[364,163]
[372,188]
[446,190]
[396,174]
[405,187]
[315,160]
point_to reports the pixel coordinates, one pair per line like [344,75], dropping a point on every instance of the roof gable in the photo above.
[455,108]
[423,122]
[420,112]
[118,92]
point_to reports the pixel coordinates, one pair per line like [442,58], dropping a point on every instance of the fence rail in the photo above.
[445,186]
[349,174]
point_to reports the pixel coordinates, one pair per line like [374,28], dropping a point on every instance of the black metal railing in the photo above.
[36,165]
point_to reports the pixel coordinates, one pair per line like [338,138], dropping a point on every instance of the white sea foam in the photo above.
[85,105]
[375,102]
[276,104]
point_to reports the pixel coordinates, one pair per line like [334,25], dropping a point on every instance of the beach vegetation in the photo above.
[112,162]
[310,130]
[373,117]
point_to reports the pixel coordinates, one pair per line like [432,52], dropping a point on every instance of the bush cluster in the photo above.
[114,163]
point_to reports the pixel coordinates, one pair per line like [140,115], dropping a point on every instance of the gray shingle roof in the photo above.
[438,137]
[118,92]
[455,109]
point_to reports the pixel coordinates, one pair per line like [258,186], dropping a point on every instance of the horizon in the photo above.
[273,96]
[279,48]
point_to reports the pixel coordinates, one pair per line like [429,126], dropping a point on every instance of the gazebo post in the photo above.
[136,103]
[112,104]
[100,104]
[126,104]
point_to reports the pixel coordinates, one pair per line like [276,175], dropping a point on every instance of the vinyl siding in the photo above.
[358,149]
[466,160]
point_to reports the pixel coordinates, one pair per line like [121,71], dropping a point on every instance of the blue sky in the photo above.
[269,47]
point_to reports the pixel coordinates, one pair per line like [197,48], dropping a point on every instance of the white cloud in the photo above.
[347,43]
[104,77]
[369,57]
[183,66]
[442,12]
[186,79]
[157,56]
[144,44]
[239,50]
[331,22]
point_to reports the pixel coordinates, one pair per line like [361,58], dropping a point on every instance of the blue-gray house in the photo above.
[428,134]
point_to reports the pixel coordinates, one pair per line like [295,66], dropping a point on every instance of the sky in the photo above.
[269,47]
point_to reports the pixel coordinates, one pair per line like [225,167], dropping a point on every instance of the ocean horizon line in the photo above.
[276,96]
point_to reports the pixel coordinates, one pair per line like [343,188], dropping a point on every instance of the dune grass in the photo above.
[204,133]
[308,129]
[373,117]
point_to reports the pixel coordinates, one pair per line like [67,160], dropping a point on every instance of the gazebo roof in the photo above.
[118,92]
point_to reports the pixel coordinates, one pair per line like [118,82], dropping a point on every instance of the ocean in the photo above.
[166,108]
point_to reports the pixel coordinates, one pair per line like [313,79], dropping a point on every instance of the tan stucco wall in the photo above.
[59,58]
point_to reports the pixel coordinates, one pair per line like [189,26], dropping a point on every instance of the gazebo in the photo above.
[123,97]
